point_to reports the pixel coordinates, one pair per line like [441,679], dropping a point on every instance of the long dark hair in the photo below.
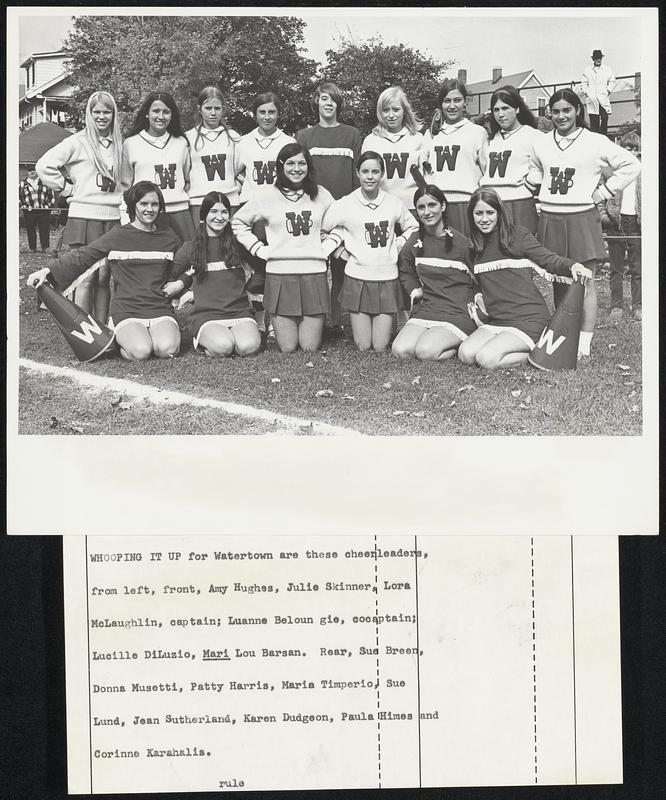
[448,86]
[283,183]
[139,191]
[511,96]
[569,96]
[230,250]
[504,227]
[141,122]
[436,193]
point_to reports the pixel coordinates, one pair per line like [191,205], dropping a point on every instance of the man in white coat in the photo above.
[596,86]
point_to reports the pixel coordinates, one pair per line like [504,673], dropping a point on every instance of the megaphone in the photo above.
[87,337]
[557,347]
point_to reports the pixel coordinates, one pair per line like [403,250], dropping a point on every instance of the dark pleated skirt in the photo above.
[523,212]
[180,223]
[297,295]
[456,217]
[577,236]
[79,232]
[371,297]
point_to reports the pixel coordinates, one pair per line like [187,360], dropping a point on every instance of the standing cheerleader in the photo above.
[85,168]
[454,149]
[296,293]
[212,152]
[256,156]
[257,151]
[510,152]
[335,148]
[568,164]
[221,319]
[140,256]
[365,222]
[397,139]
[504,256]
[434,273]
[157,151]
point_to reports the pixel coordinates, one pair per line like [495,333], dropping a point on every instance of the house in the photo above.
[536,94]
[47,90]
[35,141]
[531,89]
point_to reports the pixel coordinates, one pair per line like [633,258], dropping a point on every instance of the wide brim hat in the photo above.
[596,54]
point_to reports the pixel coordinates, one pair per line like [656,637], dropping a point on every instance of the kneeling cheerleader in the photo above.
[434,273]
[504,257]
[140,256]
[221,319]
[365,222]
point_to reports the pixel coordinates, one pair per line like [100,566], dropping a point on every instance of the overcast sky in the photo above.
[557,47]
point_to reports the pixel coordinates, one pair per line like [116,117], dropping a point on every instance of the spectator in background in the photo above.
[621,217]
[36,200]
[597,84]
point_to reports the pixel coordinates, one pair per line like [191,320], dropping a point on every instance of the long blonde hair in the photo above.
[93,139]
[409,118]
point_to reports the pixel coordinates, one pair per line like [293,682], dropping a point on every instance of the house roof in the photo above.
[35,141]
[33,91]
[517,80]
[46,54]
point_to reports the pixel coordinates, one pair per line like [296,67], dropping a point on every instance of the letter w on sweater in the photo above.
[497,162]
[447,155]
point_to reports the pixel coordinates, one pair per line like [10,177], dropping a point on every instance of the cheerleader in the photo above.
[397,139]
[85,168]
[212,152]
[504,256]
[296,292]
[365,222]
[158,151]
[140,256]
[568,164]
[454,150]
[510,151]
[221,319]
[434,273]
[256,153]
[335,148]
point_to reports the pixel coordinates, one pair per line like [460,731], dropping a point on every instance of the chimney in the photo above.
[497,74]
[462,75]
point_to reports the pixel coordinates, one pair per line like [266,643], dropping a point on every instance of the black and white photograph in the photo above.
[344,226]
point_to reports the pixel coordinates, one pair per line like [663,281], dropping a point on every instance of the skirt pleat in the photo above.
[79,232]
[577,236]
[371,297]
[523,212]
[297,295]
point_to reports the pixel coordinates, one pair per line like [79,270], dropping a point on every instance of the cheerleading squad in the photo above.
[440,229]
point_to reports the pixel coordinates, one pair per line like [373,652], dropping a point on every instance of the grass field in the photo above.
[368,393]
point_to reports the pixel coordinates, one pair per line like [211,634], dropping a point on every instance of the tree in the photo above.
[132,56]
[362,71]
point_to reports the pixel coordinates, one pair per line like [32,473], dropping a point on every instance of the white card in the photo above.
[262,663]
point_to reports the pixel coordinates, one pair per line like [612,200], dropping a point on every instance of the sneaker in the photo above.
[615,316]
[638,314]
